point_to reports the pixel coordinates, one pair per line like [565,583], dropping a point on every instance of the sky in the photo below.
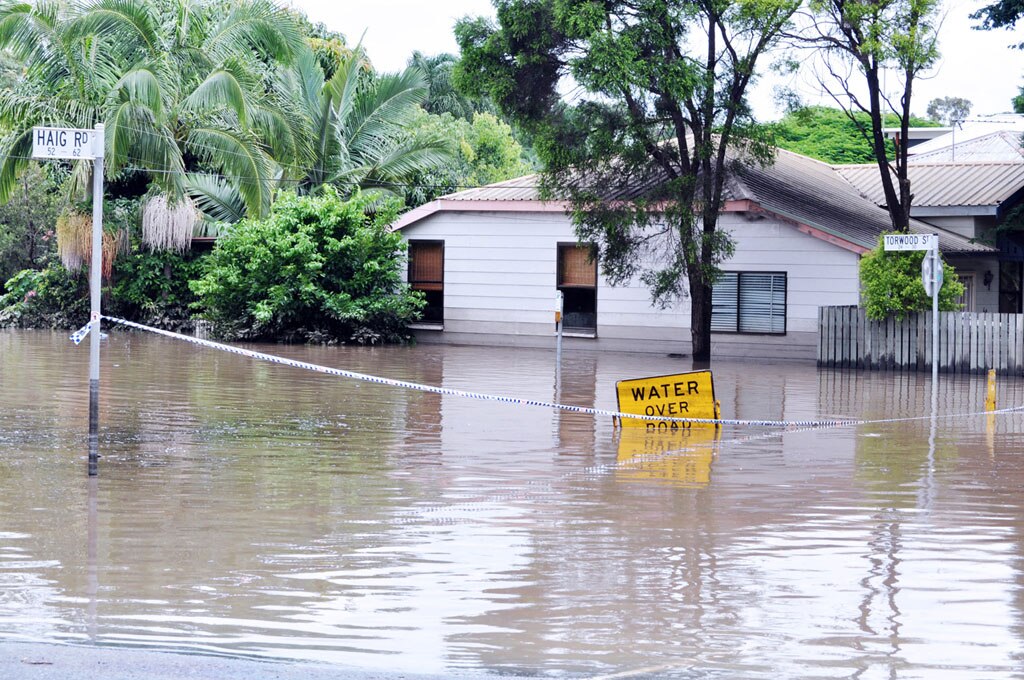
[975,65]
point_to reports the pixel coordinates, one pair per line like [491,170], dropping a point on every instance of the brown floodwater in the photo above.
[244,508]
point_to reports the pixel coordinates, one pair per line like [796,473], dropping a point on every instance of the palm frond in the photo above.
[398,163]
[124,24]
[15,149]
[382,109]
[27,30]
[259,25]
[215,198]
[277,133]
[223,88]
[243,162]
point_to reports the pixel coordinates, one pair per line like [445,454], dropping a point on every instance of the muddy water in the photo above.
[251,509]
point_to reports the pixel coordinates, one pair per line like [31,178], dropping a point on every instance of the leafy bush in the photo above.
[48,298]
[891,284]
[153,288]
[318,269]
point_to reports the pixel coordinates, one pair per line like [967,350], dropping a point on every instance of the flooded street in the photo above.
[250,509]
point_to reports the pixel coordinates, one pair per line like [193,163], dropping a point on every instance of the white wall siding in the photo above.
[500,276]
[817,273]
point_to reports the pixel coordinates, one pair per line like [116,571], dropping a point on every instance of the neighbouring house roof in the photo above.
[809,194]
[969,130]
[996,147]
[967,185]
[818,196]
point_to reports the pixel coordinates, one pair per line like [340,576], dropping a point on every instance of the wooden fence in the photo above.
[969,342]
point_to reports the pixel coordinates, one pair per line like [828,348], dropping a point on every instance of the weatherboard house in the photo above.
[491,261]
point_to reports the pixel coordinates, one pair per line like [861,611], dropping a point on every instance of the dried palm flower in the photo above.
[168,226]
[74,239]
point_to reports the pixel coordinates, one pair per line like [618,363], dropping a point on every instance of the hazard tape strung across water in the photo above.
[788,424]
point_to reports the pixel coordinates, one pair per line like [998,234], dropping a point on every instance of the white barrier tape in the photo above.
[789,424]
[80,334]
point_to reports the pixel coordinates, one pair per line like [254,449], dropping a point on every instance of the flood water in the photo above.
[250,509]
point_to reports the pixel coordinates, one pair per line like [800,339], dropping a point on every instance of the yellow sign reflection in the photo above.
[683,456]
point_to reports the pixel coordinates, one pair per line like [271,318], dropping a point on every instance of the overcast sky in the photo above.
[976,65]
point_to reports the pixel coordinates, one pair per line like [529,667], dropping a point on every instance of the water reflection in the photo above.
[248,508]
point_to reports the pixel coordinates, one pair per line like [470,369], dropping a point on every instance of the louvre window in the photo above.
[577,279]
[749,302]
[426,274]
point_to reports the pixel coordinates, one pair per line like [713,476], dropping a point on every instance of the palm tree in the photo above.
[176,82]
[357,123]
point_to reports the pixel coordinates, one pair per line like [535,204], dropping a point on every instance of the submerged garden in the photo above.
[236,123]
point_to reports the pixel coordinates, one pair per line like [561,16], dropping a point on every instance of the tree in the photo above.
[867,37]
[182,87]
[442,97]
[891,284]
[486,151]
[831,135]
[27,222]
[1000,14]
[658,98]
[316,269]
[949,110]
[356,124]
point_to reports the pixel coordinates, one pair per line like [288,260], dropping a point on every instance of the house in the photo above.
[970,199]
[491,260]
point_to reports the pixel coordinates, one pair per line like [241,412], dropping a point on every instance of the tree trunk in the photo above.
[700,319]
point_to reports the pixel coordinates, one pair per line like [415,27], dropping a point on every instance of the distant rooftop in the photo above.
[938,185]
[997,130]
[796,188]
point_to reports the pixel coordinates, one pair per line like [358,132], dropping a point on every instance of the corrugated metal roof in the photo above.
[998,147]
[795,187]
[518,189]
[945,184]
[972,128]
[813,193]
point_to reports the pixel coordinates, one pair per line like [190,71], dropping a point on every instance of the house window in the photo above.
[577,279]
[749,302]
[1010,276]
[426,274]
[967,299]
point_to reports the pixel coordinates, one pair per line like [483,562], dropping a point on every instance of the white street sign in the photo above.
[70,143]
[910,241]
[927,276]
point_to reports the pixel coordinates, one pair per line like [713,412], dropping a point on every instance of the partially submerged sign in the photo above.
[910,241]
[665,397]
[48,142]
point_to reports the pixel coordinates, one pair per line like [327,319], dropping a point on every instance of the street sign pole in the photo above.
[936,285]
[931,277]
[82,144]
[95,272]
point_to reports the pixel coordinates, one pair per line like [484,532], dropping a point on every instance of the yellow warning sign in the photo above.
[681,456]
[684,395]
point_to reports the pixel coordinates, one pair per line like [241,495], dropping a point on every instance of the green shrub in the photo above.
[891,284]
[318,269]
[49,298]
[153,288]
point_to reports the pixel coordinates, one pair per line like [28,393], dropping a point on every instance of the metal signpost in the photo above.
[559,305]
[931,277]
[74,144]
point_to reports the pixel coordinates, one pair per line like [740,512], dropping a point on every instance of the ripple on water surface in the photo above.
[246,508]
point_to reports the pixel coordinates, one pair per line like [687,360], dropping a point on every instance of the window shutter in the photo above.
[426,266]
[725,303]
[575,268]
[763,303]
